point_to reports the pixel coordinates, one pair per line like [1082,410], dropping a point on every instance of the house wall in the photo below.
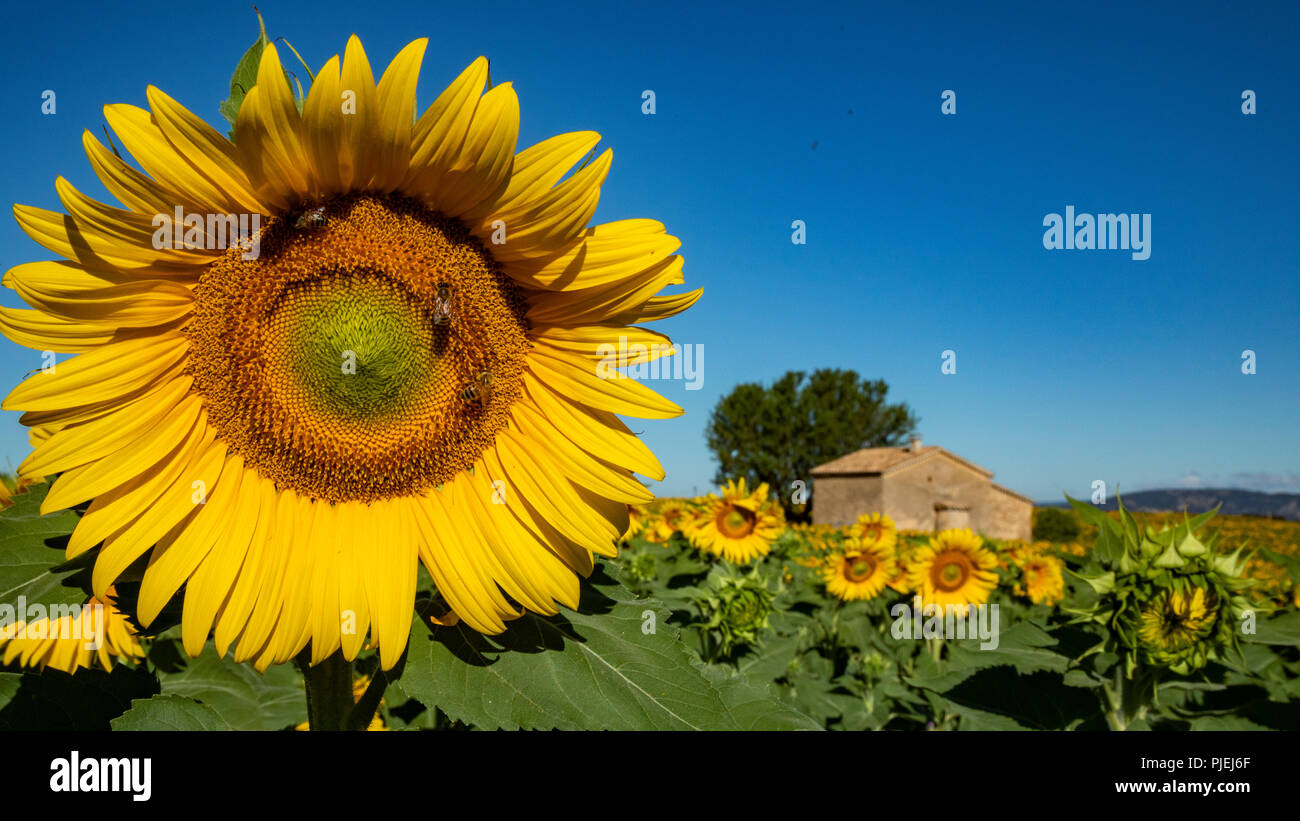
[911,493]
[1008,517]
[840,500]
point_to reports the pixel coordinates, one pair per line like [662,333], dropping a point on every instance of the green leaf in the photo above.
[32,562]
[245,76]
[244,698]
[1224,723]
[1000,698]
[54,700]
[1023,646]
[1283,629]
[590,669]
[164,712]
[771,659]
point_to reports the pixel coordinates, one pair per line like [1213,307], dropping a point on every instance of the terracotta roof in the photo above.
[869,460]
[886,460]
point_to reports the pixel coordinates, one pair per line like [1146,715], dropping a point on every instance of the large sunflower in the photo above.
[409,369]
[954,568]
[740,526]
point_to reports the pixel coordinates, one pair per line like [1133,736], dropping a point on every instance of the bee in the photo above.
[479,390]
[442,305]
[311,218]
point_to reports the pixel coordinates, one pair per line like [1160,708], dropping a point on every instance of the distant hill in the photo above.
[1235,502]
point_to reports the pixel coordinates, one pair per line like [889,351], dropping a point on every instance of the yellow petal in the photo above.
[108,372]
[616,393]
[181,551]
[183,424]
[207,150]
[606,304]
[172,505]
[360,107]
[555,219]
[599,432]
[207,590]
[84,442]
[268,137]
[536,170]
[485,158]
[604,255]
[141,136]
[117,508]
[440,131]
[396,97]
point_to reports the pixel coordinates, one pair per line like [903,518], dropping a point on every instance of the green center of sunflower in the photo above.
[359,348]
[370,352]
[735,522]
[859,568]
[950,572]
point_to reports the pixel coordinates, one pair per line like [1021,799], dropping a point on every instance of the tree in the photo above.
[779,434]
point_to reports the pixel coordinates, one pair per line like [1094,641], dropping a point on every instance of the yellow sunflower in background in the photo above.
[93,636]
[740,526]
[875,528]
[814,542]
[405,366]
[860,572]
[954,568]
[359,686]
[905,549]
[670,516]
[636,521]
[1043,580]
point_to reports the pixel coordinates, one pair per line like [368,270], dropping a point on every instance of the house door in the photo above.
[948,516]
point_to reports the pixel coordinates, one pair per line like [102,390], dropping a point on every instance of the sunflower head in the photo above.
[349,340]
[860,572]
[954,568]
[736,607]
[1176,627]
[670,516]
[875,528]
[1165,598]
[739,526]
[1042,579]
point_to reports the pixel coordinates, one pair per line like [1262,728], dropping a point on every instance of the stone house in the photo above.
[920,487]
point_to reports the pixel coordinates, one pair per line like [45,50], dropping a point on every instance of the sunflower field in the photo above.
[326,430]
[1166,622]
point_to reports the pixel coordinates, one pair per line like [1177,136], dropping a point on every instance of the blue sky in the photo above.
[924,231]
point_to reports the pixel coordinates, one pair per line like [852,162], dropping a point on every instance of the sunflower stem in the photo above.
[329,691]
[1129,697]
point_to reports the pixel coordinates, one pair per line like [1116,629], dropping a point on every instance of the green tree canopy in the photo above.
[779,434]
